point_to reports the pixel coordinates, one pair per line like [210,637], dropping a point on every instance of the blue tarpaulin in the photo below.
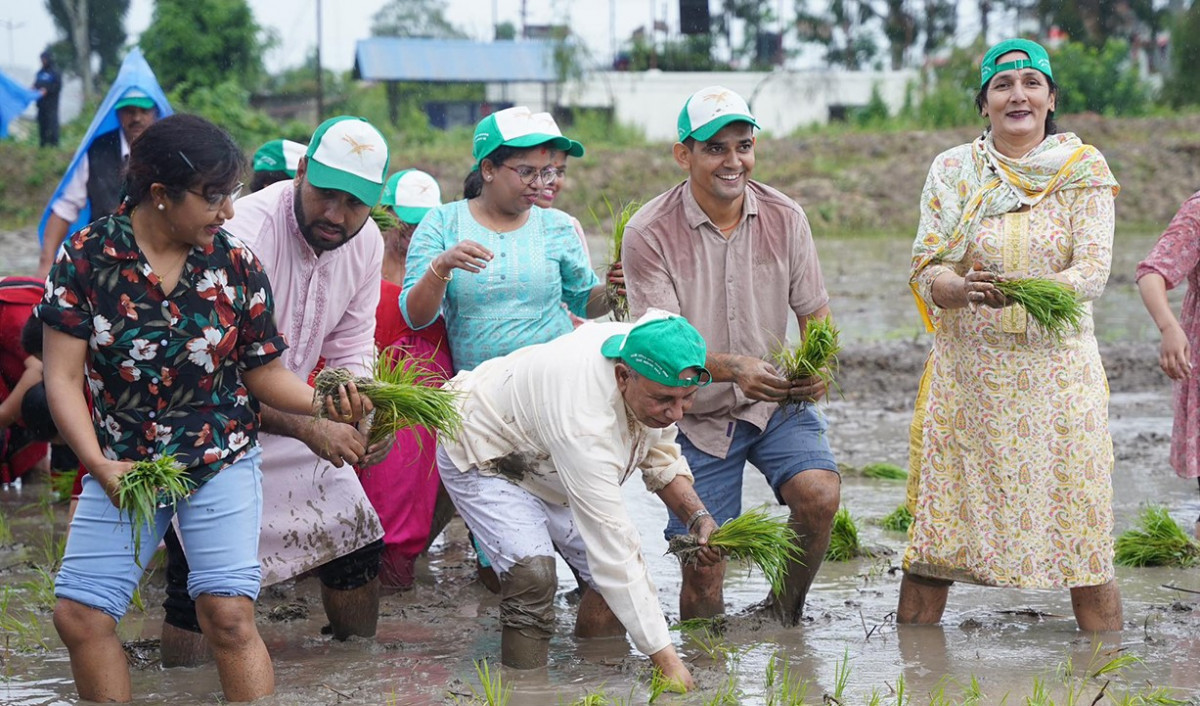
[14,99]
[453,60]
[134,73]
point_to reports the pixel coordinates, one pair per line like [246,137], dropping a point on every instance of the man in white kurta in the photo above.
[324,256]
[550,432]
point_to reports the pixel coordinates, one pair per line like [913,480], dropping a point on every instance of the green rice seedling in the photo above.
[6,535]
[815,355]
[843,538]
[22,633]
[884,471]
[715,625]
[876,698]
[61,485]
[1156,541]
[727,695]
[40,589]
[492,689]
[1114,666]
[150,484]
[596,698]
[620,218]
[973,694]
[660,684]
[713,645]
[841,675]
[902,695]
[384,218]
[898,520]
[1051,304]
[783,688]
[766,541]
[401,393]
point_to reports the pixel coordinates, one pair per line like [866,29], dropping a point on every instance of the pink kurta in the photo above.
[1176,257]
[325,306]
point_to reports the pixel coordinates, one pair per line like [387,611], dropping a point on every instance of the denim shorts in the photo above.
[218,525]
[795,440]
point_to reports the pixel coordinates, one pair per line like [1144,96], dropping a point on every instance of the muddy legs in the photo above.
[183,648]
[241,657]
[595,618]
[1098,608]
[813,497]
[353,612]
[527,612]
[922,600]
[97,659]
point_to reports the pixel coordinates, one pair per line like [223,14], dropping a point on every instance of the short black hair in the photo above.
[181,152]
[262,180]
[31,337]
[35,413]
[473,184]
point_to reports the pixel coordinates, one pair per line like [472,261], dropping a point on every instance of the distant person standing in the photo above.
[48,83]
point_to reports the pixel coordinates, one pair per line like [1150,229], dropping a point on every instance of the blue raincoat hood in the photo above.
[135,73]
[14,99]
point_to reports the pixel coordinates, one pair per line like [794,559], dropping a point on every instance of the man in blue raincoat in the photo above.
[91,186]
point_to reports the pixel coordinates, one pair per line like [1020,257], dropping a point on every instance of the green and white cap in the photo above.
[136,98]
[709,110]
[279,156]
[576,149]
[1038,59]
[660,347]
[412,193]
[348,154]
[515,127]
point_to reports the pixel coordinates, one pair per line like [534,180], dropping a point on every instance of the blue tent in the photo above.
[135,73]
[14,99]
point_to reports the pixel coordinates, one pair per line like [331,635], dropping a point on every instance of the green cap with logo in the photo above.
[709,110]
[551,127]
[279,156]
[135,98]
[1038,59]
[660,347]
[348,154]
[411,193]
[517,127]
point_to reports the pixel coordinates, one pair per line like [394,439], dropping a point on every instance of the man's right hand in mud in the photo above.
[673,670]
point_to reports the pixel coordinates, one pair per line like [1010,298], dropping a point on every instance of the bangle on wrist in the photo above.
[696,517]
[447,278]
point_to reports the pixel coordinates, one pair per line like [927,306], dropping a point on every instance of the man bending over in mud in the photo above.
[550,432]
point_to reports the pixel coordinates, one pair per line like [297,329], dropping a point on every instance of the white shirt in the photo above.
[550,418]
[74,195]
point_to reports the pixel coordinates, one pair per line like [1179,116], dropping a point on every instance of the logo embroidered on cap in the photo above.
[358,148]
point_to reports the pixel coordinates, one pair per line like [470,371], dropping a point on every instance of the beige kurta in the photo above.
[1011,482]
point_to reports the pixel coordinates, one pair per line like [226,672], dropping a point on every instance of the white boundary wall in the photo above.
[781,100]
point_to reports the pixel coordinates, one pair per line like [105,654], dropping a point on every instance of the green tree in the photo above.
[414,18]
[1099,80]
[1183,86]
[194,45]
[105,29]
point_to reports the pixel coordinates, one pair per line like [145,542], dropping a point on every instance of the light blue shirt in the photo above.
[516,300]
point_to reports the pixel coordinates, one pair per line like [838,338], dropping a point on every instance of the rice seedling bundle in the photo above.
[766,541]
[886,471]
[148,485]
[384,218]
[1157,540]
[403,393]
[1051,304]
[815,355]
[620,218]
[898,520]
[843,538]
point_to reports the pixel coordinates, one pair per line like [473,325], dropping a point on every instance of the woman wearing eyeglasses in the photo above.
[167,320]
[495,264]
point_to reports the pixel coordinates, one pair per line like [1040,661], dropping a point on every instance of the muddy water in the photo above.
[429,638]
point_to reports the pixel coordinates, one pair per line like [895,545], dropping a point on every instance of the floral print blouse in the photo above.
[165,370]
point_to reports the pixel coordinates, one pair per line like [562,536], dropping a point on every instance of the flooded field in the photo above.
[1016,645]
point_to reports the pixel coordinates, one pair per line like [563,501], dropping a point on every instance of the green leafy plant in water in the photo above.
[766,541]
[1051,304]
[902,696]
[492,689]
[715,625]
[816,355]
[22,633]
[40,589]
[148,485]
[619,215]
[884,471]
[841,675]
[1040,695]
[62,484]
[843,538]
[660,684]
[727,695]
[783,688]
[712,644]
[1156,541]
[898,520]
[6,535]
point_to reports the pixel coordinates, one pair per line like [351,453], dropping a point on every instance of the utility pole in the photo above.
[320,81]
[11,25]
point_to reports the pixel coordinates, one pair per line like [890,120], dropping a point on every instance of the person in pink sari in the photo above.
[405,488]
[1175,258]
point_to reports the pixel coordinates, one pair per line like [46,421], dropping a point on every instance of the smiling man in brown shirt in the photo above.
[736,258]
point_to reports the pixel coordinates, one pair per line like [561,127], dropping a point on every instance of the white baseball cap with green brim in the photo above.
[279,156]
[135,98]
[411,193]
[514,127]
[348,154]
[709,110]
[551,127]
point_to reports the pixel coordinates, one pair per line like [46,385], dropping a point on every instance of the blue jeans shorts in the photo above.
[795,440]
[218,524]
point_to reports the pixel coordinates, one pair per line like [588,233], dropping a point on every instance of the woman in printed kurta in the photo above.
[167,319]
[1011,455]
[1175,258]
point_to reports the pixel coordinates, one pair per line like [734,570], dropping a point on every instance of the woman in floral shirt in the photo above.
[166,319]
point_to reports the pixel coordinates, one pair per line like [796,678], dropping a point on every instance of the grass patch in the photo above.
[150,484]
[884,471]
[843,538]
[898,520]
[1157,540]
[766,541]
[815,356]
[1051,304]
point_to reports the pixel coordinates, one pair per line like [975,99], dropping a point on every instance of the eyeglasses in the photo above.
[528,174]
[215,201]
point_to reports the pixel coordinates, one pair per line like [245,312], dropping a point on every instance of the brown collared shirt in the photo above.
[737,291]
